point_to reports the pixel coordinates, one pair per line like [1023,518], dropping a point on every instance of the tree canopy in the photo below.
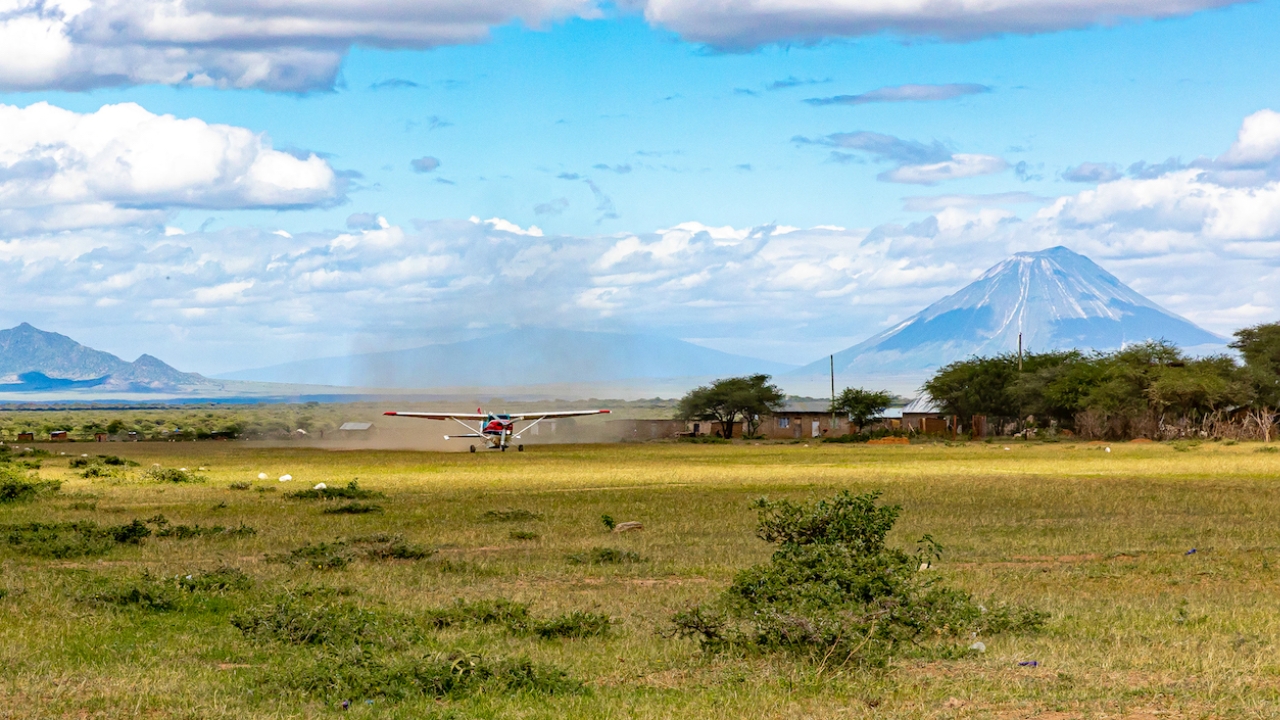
[729,400]
[861,405]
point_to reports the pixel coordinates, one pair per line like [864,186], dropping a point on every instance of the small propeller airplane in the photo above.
[496,429]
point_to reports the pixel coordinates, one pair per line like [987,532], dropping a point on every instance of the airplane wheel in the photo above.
[519,448]
[504,448]
[473,448]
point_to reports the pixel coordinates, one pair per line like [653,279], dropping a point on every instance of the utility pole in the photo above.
[833,395]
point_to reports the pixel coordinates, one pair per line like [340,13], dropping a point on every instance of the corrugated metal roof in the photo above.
[923,405]
[356,426]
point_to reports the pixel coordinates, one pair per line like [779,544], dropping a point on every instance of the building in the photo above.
[923,415]
[26,437]
[803,419]
[59,436]
[356,428]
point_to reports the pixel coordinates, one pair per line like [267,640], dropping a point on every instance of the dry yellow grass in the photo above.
[1139,628]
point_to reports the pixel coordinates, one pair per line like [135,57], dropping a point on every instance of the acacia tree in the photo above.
[1260,346]
[725,401]
[861,405]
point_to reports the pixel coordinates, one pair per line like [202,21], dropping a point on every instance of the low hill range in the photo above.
[521,357]
[1056,299]
[34,360]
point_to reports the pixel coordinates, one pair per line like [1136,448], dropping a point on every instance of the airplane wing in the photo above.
[483,416]
[439,416]
[556,414]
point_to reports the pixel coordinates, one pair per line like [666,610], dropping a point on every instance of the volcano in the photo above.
[1056,299]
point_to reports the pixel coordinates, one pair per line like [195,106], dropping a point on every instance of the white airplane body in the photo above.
[496,429]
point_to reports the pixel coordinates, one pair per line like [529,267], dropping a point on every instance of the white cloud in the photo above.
[961,165]
[289,45]
[1258,141]
[739,24]
[122,165]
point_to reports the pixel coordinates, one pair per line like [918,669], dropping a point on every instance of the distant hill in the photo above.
[1056,298]
[519,358]
[34,360]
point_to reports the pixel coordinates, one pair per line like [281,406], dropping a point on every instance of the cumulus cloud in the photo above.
[904,93]
[917,163]
[424,164]
[123,165]
[742,25]
[284,46]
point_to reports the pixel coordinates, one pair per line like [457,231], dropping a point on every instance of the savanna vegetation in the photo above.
[1029,580]
[1151,390]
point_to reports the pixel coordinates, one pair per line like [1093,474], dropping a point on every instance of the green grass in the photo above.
[207,625]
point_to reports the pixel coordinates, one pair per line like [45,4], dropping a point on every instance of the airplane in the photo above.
[496,429]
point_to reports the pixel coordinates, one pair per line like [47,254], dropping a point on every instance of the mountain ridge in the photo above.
[32,360]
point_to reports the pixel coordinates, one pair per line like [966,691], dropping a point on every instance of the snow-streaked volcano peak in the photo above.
[1057,299]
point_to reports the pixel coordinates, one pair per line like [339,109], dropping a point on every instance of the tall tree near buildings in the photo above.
[862,406]
[729,400]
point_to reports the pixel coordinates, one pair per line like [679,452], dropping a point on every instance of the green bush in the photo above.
[352,491]
[221,580]
[834,591]
[340,553]
[72,539]
[451,675]
[293,621]
[495,611]
[523,535]
[577,624]
[19,486]
[172,475]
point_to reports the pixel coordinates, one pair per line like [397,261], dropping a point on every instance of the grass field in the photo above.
[1138,627]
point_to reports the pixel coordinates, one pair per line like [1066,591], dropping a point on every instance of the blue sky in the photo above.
[603,126]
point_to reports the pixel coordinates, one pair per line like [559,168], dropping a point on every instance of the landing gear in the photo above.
[519,448]
[504,448]
[473,448]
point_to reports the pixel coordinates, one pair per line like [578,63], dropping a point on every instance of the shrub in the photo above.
[352,491]
[604,556]
[389,547]
[509,516]
[172,475]
[455,675]
[353,508]
[609,522]
[523,535]
[340,553]
[19,486]
[240,485]
[577,624]
[145,595]
[834,590]
[323,556]
[496,611]
[110,460]
[295,622]
[72,539]
[223,579]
